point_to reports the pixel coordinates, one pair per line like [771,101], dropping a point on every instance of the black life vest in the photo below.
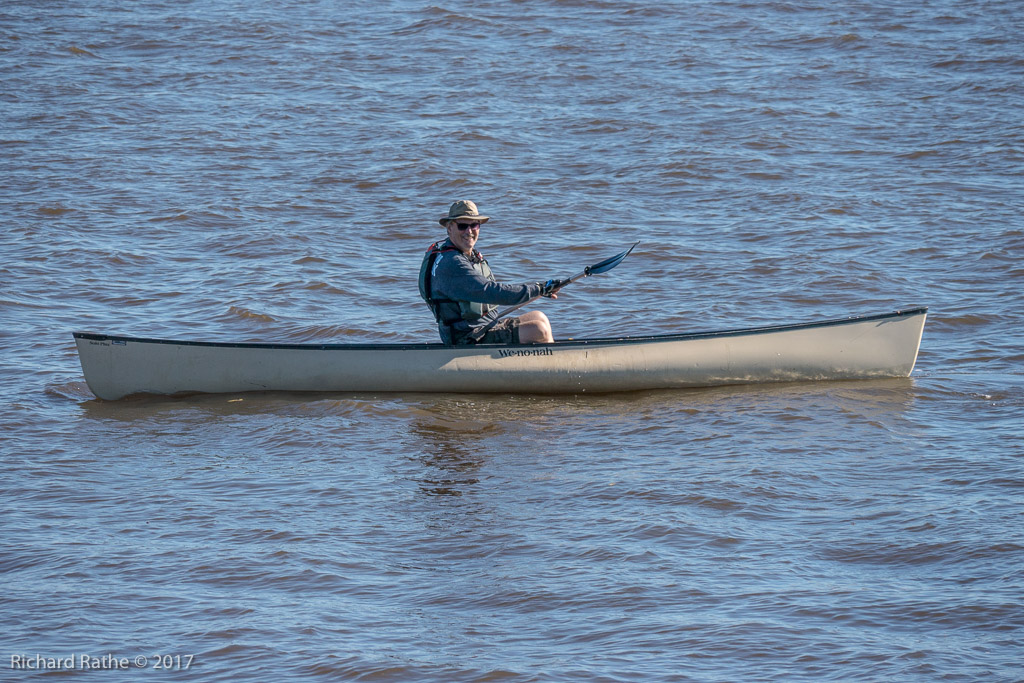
[469,310]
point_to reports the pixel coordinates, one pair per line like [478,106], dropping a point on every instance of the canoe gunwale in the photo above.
[567,343]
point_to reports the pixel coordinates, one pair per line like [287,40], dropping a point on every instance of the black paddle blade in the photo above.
[609,263]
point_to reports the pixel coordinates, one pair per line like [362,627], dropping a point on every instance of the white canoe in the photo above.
[864,347]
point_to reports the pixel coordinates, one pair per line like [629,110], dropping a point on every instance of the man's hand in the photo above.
[549,288]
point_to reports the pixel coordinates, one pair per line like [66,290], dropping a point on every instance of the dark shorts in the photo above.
[505,331]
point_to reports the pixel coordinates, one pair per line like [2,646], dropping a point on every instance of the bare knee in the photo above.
[534,327]
[532,316]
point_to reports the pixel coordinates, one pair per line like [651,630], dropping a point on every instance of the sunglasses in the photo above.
[467,226]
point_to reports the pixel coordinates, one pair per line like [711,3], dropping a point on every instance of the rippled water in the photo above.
[272,171]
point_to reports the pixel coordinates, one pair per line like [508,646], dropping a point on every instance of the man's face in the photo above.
[464,234]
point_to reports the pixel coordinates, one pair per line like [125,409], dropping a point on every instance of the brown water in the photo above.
[272,172]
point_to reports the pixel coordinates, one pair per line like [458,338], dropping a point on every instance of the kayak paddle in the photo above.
[596,269]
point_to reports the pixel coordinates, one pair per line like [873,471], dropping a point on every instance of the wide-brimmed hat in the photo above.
[463,209]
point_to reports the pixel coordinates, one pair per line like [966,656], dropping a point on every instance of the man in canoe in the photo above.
[460,289]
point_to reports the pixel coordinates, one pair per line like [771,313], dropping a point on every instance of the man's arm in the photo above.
[456,279]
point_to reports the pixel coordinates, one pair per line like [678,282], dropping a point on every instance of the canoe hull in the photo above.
[853,348]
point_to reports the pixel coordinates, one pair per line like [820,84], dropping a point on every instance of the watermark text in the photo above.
[104,662]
